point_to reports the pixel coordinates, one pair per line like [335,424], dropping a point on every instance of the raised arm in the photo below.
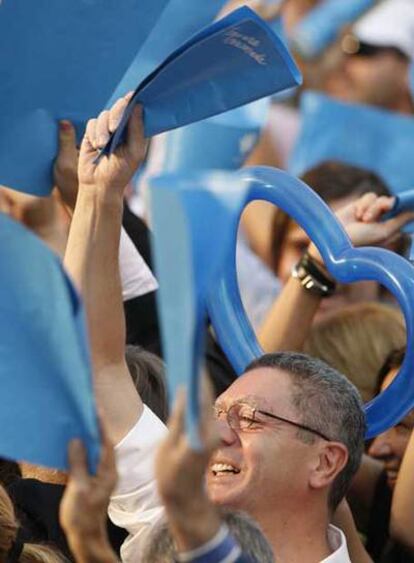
[288,322]
[402,508]
[92,258]
[344,520]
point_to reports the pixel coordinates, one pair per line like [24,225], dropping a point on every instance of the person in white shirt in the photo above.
[291,427]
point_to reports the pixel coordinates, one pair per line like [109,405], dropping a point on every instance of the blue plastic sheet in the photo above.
[189,252]
[234,61]
[45,370]
[60,60]
[222,142]
[321,27]
[188,255]
[180,20]
[375,139]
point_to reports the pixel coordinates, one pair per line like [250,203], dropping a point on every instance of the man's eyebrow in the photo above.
[250,400]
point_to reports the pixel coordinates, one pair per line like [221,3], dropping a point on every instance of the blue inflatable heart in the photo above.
[346,263]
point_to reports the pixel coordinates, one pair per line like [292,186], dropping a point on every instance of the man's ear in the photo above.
[332,458]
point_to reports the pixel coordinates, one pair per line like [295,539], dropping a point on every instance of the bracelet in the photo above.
[312,278]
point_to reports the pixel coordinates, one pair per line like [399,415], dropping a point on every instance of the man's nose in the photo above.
[381,447]
[227,435]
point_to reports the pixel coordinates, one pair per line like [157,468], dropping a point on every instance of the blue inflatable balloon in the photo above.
[346,263]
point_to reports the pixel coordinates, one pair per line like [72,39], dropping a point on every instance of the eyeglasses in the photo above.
[242,417]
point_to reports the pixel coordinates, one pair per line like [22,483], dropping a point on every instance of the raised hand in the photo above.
[363,220]
[112,172]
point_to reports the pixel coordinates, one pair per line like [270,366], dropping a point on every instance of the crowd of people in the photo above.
[283,472]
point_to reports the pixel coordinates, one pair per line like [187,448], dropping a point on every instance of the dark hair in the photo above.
[147,372]
[331,181]
[392,361]
[328,402]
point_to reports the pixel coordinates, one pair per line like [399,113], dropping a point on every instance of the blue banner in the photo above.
[221,142]
[45,370]
[235,61]
[321,27]
[60,59]
[378,140]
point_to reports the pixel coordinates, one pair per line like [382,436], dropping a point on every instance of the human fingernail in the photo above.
[65,125]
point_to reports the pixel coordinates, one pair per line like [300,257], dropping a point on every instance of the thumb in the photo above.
[67,137]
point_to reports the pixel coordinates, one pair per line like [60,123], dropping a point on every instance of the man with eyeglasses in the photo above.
[378,52]
[291,439]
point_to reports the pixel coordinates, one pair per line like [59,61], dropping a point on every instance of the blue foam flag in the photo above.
[188,255]
[180,20]
[221,142]
[372,138]
[228,64]
[60,60]
[47,393]
[321,27]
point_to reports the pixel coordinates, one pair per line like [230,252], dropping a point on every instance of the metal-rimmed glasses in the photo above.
[242,417]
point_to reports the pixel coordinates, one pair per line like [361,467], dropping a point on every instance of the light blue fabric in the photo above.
[221,142]
[372,138]
[180,20]
[318,29]
[45,370]
[228,64]
[192,223]
[60,59]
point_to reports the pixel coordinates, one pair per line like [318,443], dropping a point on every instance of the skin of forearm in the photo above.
[92,549]
[91,259]
[192,523]
[288,322]
[344,520]
[402,509]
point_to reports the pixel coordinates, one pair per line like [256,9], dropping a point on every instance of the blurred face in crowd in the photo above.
[391,445]
[376,77]
[264,454]
[294,245]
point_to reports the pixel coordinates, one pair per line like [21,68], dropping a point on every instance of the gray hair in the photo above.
[160,545]
[147,372]
[328,402]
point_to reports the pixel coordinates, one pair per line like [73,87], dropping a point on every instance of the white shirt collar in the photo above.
[337,543]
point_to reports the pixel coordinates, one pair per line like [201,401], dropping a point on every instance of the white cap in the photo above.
[389,24]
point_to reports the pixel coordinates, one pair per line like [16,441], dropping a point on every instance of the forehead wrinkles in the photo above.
[250,400]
